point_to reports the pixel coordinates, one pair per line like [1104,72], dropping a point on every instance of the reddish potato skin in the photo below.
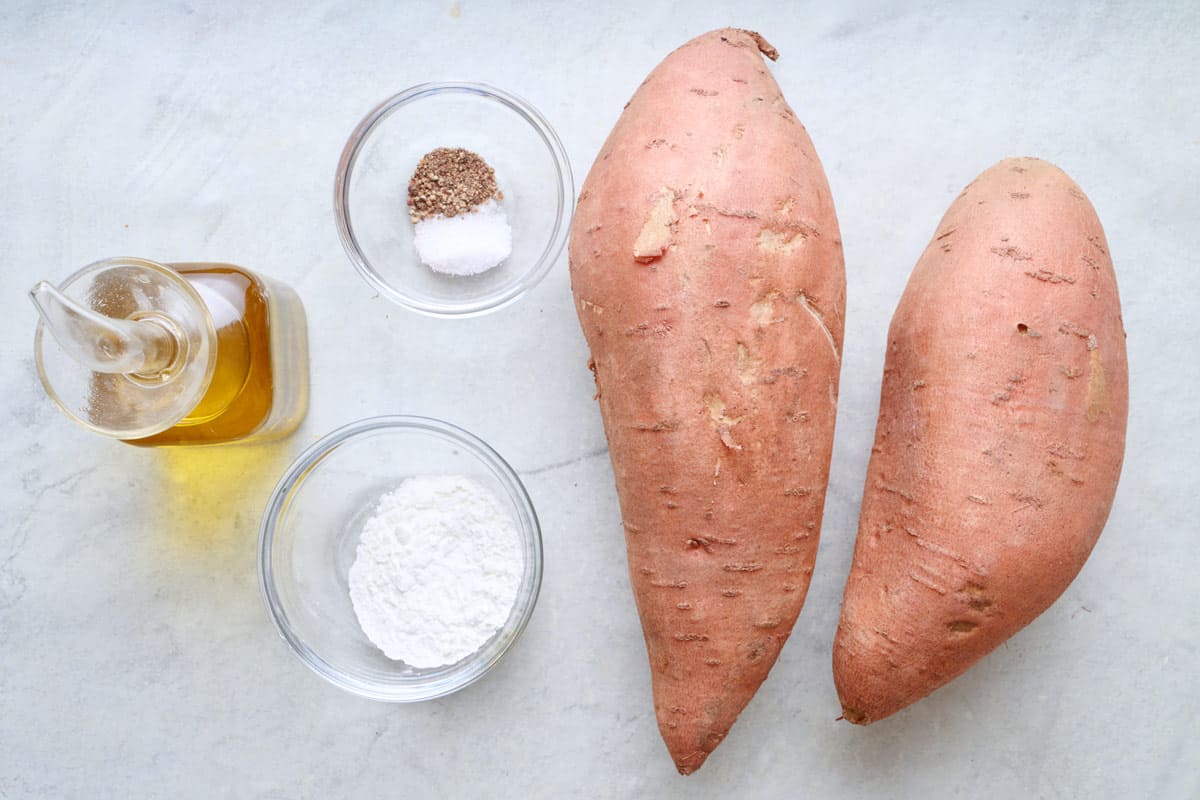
[706,266]
[999,442]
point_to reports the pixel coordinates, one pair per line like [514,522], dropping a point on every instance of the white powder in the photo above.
[467,244]
[437,571]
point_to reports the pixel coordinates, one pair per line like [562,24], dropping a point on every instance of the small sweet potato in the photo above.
[999,442]
[707,271]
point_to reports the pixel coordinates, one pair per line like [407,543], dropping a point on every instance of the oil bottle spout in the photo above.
[144,346]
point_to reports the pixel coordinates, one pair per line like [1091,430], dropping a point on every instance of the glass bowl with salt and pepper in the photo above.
[453,199]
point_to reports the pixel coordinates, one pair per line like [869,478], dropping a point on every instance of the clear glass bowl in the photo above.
[371,193]
[310,534]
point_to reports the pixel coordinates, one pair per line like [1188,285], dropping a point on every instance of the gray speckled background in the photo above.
[136,657]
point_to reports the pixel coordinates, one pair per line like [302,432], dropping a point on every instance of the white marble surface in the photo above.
[136,656]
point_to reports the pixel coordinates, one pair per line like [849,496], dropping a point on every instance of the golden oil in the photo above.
[259,387]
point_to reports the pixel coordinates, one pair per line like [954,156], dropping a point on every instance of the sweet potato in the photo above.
[999,442]
[707,271]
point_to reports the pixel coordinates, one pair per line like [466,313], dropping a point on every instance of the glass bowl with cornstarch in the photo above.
[453,199]
[400,558]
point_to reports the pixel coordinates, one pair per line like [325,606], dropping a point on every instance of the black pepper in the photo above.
[450,181]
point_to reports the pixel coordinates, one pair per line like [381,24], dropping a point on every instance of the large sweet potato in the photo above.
[999,442]
[707,271]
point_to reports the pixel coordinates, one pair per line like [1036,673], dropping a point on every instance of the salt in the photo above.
[467,244]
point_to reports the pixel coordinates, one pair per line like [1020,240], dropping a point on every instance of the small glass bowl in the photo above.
[371,193]
[310,535]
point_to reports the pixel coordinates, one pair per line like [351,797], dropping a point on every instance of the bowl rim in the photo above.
[553,248]
[293,478]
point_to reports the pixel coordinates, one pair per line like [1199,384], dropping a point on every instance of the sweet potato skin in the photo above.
[707,270]
[999,443]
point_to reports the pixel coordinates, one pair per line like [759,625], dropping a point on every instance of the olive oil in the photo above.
[259,387]
[173,354]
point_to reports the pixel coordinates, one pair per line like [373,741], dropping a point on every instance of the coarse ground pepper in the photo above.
[450,181]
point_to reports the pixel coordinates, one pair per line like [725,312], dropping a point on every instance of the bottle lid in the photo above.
[131,347]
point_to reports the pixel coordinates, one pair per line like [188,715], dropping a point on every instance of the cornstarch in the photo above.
[437,570]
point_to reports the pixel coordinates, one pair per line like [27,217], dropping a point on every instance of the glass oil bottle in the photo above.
[155,354]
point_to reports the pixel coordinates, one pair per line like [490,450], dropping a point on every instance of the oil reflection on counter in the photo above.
[213,498]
